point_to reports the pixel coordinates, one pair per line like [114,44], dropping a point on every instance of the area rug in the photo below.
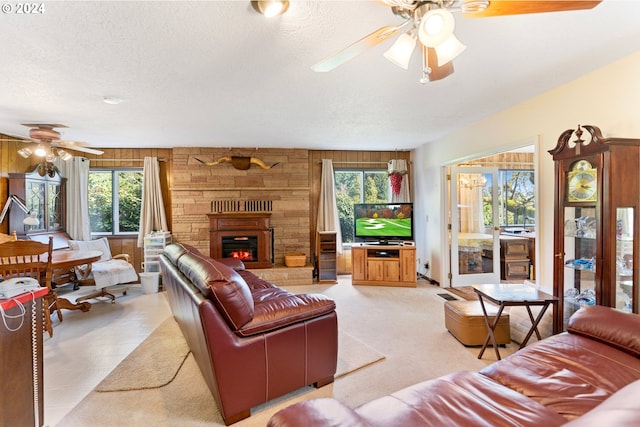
[464,292]
[145,384]
[353,354]
[154,363]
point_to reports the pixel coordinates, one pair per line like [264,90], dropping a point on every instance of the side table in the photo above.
[505,295]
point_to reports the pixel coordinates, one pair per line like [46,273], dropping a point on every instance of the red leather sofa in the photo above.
[587,376]
[252,340]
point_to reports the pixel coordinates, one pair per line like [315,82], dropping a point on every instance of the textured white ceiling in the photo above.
[216,73]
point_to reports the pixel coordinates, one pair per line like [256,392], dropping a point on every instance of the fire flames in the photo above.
[241,255]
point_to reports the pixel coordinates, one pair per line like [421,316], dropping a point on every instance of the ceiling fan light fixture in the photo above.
[64,155]
[449,49]
[40,152]
[50,156]
[401,51]
[270,8]
[435,27]
[25,152]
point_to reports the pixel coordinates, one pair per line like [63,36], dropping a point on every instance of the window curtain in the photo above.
[152,215]
[399,166]
[76,170]
[328,219]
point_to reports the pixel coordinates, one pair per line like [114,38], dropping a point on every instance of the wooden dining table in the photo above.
[67,259]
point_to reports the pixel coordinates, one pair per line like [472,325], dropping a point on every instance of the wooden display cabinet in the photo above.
[326,253]
[596,222]
[45,195]
[383,265]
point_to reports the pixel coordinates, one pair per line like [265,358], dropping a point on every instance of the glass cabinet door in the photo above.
[55,206]
[623,298]
[35,202]
[580,246]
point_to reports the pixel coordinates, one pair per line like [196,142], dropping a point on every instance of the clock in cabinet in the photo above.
[597,198]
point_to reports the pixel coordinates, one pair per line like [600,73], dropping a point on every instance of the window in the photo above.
[517,197]
[358,186]
[115,198]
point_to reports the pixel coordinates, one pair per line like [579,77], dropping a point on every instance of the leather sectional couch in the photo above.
[587,376]
[252,340]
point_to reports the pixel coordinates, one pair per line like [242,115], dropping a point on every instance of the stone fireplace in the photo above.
[246,236]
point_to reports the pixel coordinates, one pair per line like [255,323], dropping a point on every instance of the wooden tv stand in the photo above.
[383,265]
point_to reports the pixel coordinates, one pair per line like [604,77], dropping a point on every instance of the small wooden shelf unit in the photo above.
[326,242]
[383,265]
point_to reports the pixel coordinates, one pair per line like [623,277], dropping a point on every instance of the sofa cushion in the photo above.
[221,284]
[458,399]
[276,308]
[557,369]
[612,327]
[254,281]
[621,409]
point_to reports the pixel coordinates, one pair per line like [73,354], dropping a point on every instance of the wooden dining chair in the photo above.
[28,258]
[8,237]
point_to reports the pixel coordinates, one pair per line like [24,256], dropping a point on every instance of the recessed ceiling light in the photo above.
[113,100]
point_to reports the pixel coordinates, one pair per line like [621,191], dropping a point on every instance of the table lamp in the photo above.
[30,219]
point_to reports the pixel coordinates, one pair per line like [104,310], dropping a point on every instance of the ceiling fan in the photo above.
[430,25]
[50,146]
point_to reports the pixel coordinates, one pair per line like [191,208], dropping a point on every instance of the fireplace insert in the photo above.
[244,248]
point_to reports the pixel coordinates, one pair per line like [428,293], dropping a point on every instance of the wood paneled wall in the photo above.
[11,162]
[134,157]
[345,160]
[295,184]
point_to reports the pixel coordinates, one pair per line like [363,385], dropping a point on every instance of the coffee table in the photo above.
[505,295]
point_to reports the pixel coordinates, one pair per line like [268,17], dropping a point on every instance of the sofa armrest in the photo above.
[124,257]
[608,326]
[234,263]
[283,308]
[325,412]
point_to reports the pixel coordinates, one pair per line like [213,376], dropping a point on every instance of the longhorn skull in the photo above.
[239,162]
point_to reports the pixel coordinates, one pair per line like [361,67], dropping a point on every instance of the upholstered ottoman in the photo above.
[465,321]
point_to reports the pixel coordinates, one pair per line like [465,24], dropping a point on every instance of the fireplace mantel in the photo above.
[252,226]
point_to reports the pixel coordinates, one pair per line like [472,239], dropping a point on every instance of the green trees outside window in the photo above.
[516,193]
[358,186]
[115,199]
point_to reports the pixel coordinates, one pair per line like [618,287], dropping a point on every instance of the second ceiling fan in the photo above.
[430,24]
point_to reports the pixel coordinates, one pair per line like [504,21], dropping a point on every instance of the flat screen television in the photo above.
[383,222]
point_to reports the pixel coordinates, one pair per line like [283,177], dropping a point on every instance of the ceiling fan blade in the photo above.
[437,72]
[75,146]
[517,7]
[86,150]
[72,144]
[357,48]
